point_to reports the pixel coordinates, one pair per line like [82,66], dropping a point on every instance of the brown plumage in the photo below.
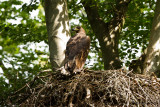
[77,51]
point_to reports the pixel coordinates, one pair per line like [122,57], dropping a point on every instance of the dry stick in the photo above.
[72,95]
[42,80]
[88,96]
[32,81]
[133,96]
[29,87]
[36,97]
[142,90]
[128,91]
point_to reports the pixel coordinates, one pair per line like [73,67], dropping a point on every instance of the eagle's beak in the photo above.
[75,29]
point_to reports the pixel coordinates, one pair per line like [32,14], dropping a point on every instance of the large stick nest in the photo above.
[89,88]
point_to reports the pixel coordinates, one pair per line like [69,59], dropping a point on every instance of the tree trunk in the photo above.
[107,33]
[57,22]
[152,61]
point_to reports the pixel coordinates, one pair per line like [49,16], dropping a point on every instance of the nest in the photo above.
[89,89]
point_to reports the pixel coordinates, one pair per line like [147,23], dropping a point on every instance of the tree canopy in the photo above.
[19,31]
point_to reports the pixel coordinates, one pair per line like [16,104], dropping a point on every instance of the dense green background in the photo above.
[20,62]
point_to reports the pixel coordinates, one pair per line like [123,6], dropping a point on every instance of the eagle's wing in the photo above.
[76,52]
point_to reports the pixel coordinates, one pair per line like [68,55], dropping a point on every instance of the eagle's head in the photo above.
[78,29]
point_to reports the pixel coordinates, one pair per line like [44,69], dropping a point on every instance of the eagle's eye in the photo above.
[78,27]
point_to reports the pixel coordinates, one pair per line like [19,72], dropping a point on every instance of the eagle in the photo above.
[77,50]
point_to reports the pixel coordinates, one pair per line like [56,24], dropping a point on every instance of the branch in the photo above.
[93,15]
[119,14]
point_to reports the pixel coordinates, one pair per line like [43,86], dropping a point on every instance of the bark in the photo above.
[57,23]
[107,33]
[152,61]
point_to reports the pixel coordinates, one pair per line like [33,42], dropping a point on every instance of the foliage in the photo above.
[21,63]
[137,28]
